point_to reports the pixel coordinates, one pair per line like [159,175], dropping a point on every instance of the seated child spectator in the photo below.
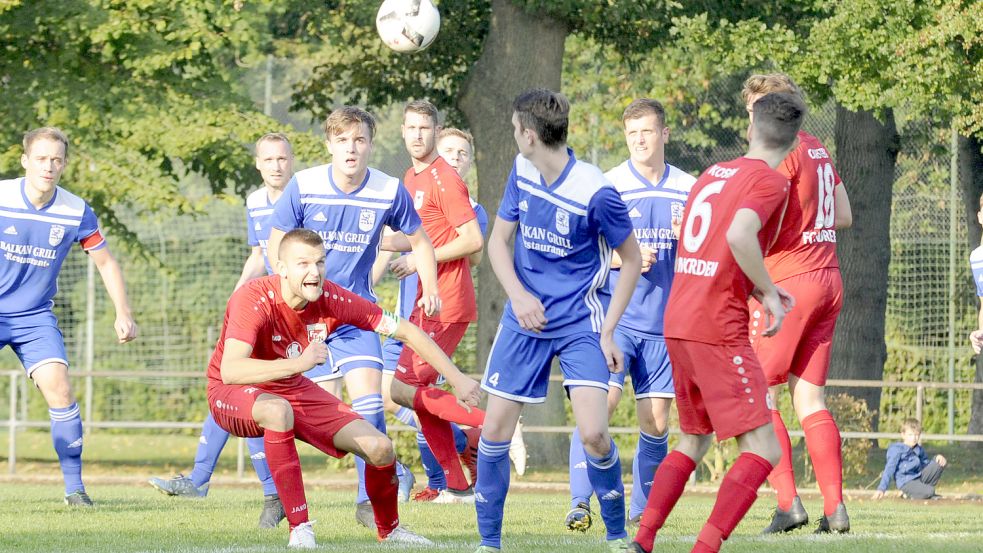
[910,468]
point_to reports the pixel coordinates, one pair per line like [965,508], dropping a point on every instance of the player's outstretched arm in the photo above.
[254,267]
[112,277]
[742,237]
[529,311]
[842,214]
[631,268]
[465,388]
[239,368]
[423,262]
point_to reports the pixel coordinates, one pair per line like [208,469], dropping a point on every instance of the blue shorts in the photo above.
[348,348]
[647,362]
[34,338]
[391,350]
[519,365]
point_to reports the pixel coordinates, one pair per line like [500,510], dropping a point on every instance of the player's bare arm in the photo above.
[239,368]
[842,214]
[426,265]
[469,241]
[254,267]
[112,277]
[631,268]
[466,389]
[742,237]
[395,242]
[647,254]
[529,311]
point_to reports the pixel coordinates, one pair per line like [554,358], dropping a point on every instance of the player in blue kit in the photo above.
[655,194]
[40,222]
[274,161]
[348,203]
[976,266]
[569,220]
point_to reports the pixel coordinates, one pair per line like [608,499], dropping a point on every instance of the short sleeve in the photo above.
[349,308]
[609,214]
[288,213]
[766,194]
[251,230]
[402,216]
[453,201]
[246,315]
[482,216]
[978,277]
[89,235]
[509,208]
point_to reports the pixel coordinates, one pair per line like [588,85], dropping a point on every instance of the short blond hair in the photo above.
[641,107]
[345,118]
[273,137]
[453,131]
[911,424]
[766,83]
[49,133]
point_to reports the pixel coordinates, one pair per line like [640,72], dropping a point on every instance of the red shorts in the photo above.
[411,368]
[318,415]
[804,343]
[719,388]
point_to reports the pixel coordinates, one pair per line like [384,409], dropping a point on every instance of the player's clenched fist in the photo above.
[467,391]
[315,354]
[648,258]
[529,311]
[126,328]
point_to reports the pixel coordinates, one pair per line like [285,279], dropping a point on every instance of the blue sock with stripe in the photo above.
[257,453]
[405,416]
[605,477]
[491,489]
[371,409]
[460,438]
[66,434]
[649,454]
[580,488]
[435,473]
[210,445]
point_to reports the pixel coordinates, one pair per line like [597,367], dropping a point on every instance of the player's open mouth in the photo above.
[313,284]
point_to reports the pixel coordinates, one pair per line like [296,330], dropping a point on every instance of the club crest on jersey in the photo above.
[317,332]
[366,220]
[293,350]
[562,221]
[677,210]
[56,235]
[418,199]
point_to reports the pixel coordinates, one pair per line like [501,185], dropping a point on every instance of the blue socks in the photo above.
[436,480]
[649,454]
[257,453]
[66,434]
[580,488]
[605,477]
[210,446]
[405,416]
[491,489]
[371,409]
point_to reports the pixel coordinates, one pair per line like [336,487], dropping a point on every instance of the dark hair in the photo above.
[546,113]
[643,106]
[777,119]
[305,236]
[347,117]
[423,107]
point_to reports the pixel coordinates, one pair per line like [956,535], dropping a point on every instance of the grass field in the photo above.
[132,517]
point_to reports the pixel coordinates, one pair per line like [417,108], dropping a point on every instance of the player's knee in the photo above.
[402,393]
[379,451]
[275,414]
[596,442]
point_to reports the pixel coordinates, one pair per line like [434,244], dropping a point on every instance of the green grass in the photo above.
[136,518]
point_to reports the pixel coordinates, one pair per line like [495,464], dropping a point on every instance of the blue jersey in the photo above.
[976,264]
[566,234]
[35,242]
[259,215]
[349,223]
[651,208]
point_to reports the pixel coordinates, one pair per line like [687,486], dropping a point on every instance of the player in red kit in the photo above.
[803,261]
[441,199]
[732,215]
[274,330]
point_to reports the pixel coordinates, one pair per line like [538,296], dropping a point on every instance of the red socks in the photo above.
[735,497]
[382,487]
[444,405]
[281,455]
[782,478]
[667,486]
[440,438]
[823,442]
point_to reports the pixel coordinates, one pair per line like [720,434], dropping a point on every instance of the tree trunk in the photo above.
[866,152]
[970,167]
[521,51]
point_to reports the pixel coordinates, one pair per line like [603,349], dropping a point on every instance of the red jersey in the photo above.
[807,240]
[708,301]
[442,201]
[256,314]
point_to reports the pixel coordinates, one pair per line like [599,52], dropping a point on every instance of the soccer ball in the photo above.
[407,25]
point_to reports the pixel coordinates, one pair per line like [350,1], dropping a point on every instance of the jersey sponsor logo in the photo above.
[523,206]
[366,220]
[319,217]
[317,332]
[722,173]
[818,153]
[634,213]
[418,199]
[56,235]
[696,267]
[293,350]
[532,237]
[11,230]
[819,236]
[562,221]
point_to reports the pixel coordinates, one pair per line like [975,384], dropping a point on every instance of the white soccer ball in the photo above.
[407,25]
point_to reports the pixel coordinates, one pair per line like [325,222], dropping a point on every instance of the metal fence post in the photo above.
[12,428]
[90,340]
[953,238]
[919,402]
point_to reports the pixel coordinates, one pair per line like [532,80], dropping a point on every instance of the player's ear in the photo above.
[23,160]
